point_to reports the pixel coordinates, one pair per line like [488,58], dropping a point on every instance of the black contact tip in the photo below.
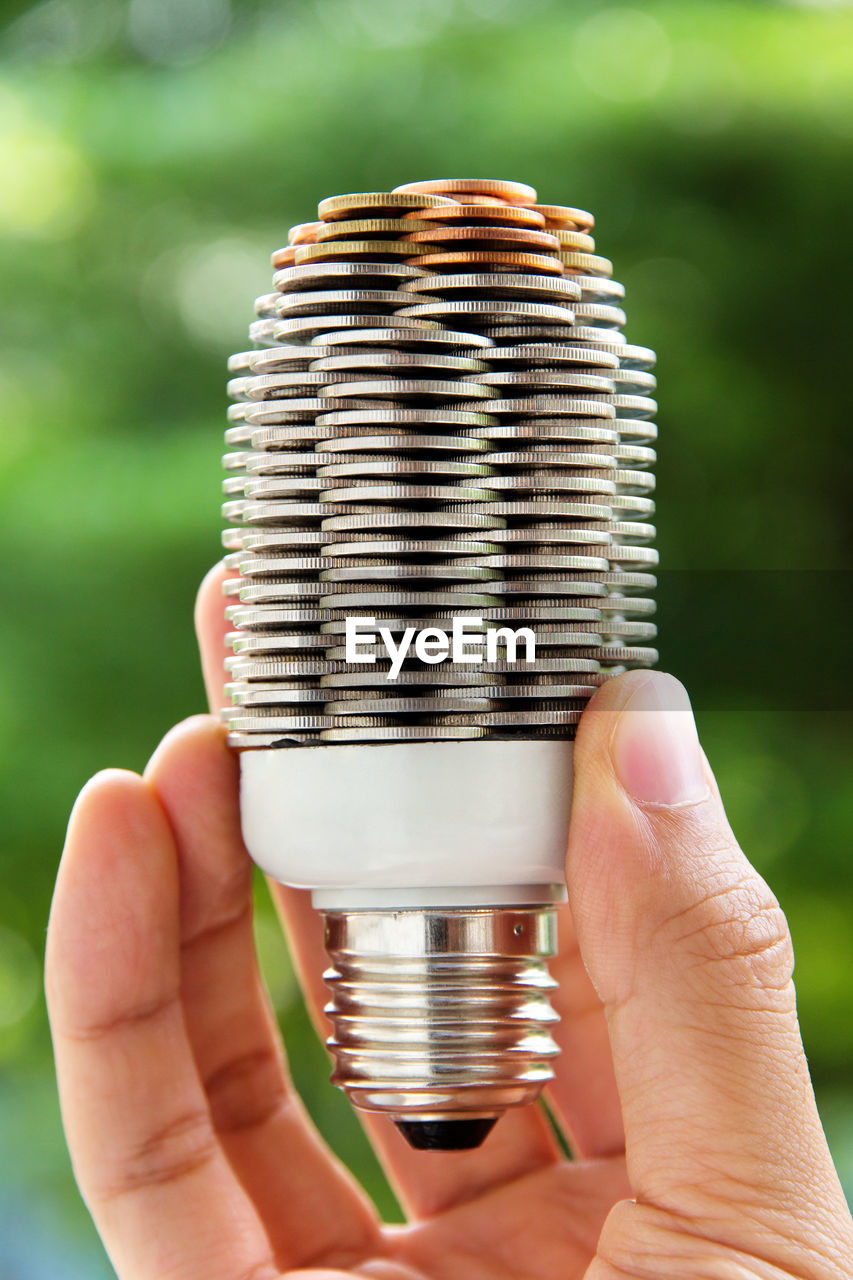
[446,1135]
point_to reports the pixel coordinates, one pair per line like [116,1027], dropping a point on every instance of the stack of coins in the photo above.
[440,419]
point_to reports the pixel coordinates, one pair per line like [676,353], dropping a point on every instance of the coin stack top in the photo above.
[440,418]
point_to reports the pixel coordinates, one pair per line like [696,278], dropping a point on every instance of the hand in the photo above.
[682,1085]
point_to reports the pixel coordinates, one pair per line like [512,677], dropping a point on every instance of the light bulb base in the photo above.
[441,1016]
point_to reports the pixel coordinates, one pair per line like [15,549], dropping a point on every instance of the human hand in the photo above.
[682,1086]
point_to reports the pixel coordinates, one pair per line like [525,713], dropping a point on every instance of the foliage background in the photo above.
[153,153]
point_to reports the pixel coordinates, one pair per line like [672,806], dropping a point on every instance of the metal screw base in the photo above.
[441,1017]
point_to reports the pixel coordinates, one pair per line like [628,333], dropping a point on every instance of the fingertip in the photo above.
[197,735]
[211,627]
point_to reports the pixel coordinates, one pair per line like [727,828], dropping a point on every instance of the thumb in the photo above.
[691,955]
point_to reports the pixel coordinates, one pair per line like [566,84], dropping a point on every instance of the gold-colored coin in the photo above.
[493,257]
[495,211]
[585,264]
[370,228]
[303,233]
[343,249]
[570,239]
[561,215]
[511,192]
[520,238]
[377,204]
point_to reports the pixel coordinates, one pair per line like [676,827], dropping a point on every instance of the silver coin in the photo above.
[275,386]
[627,604]
[268,719]
[538,380]
[265,305]
[545,456]
[402,443]
[332,301]
[600,315]
[540,691]
[259,695]
[412,548]
[262,332]
[552,407]
[599,289]
[619,554]
[310,275]
[275,591]
[364,596]
[636,429]
[431,677]
[636,455]
[378,465]
[279,359]
[634,481]
[263,544]
[489,309]
[395,571]
[290,435]
[548,430]
[628,580]
[548,508]
[276,512]
[537,354]
[549,482]
[375,705]
[414,361]
[630,356]
[553,534]
[534,561]
[298,409]
[352,325]
[495,284]
[280,486]
[550,584]
[640,656]
[629,504]
[374,520]
[634,382]
[625,406]
[633,531]
[281,461]
[523,719]
[415,334]
[365,491]
[383,415]
[513,332]
[253,566]
[408,389]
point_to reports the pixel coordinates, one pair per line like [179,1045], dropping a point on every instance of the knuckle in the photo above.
[181,1147]
[739,932]
[246,1090]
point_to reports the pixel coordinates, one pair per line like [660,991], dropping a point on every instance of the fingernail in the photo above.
[655,747]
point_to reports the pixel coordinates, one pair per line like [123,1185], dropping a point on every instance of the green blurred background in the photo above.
[152,154]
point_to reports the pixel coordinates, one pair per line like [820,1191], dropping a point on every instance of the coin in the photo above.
[515,215]
[550,406]
[533,355]
[545,379]
[489,309]
[495,284]
[310,275]
[330,301]
[341,250]
[568,238]
[415,361]
[561,215]
[508,239]
[494,258]
[379,204]
[599,315]
[588,264]
[417,333]
[303,233]
[415,443]
[369,228]
[399,389]
[511,192]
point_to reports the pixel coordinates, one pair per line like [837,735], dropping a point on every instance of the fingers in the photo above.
[583,1094]
[691,956]
[311,1208]
[144,1151]
[521,1142]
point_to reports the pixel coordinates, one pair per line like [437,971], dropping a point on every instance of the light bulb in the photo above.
[439,500]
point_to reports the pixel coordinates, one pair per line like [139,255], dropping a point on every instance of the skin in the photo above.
[682,1087]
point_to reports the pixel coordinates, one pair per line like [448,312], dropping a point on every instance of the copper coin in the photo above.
[511,192]
[303,233]
[494,258]
[520,238]
[352,275]
[561,215]
[377,204]
[511,215]
[284,257]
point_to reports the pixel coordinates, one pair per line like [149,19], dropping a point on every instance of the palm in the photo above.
[198,1160]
